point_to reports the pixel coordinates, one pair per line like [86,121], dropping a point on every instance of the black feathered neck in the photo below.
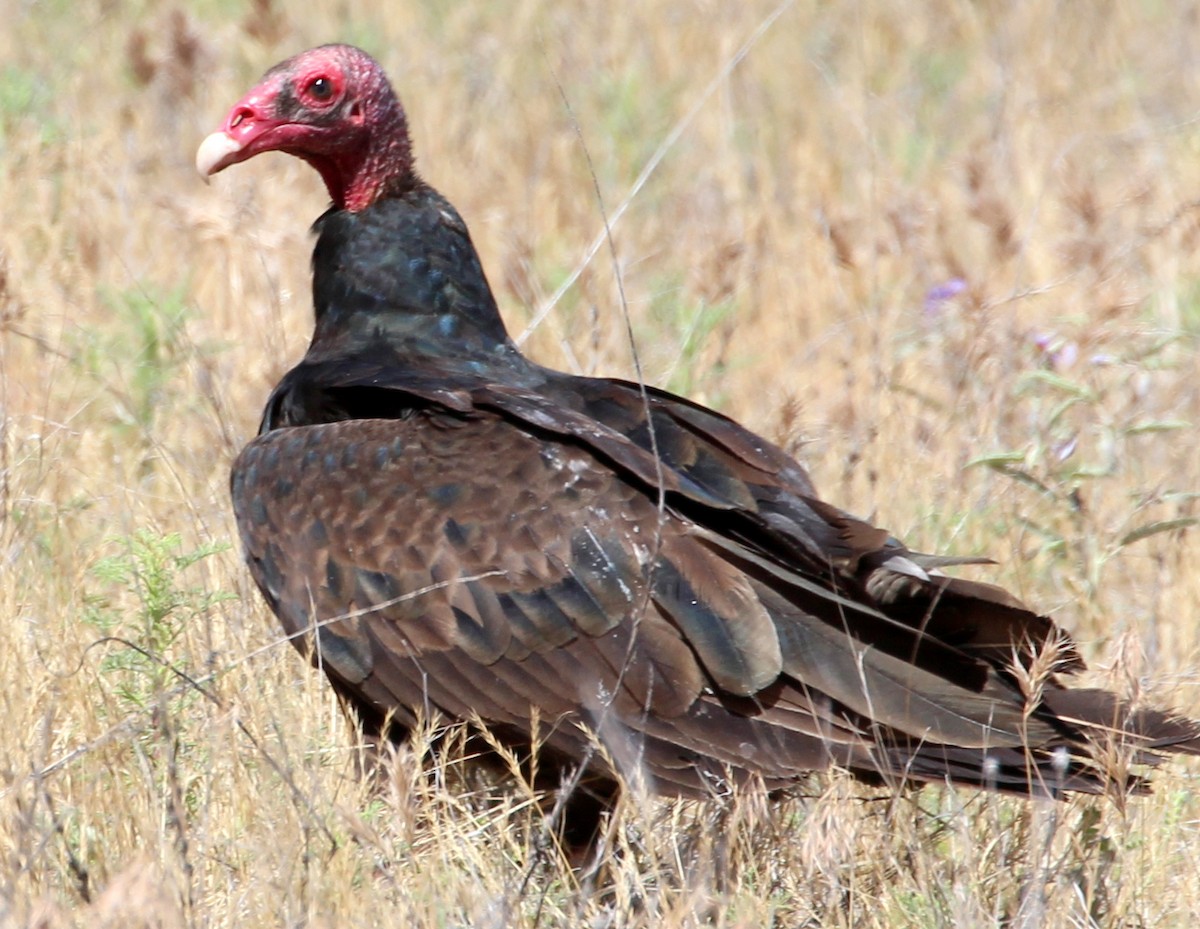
[402,277]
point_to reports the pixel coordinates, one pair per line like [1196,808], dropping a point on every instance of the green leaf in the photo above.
[997,460]
[1162,525]
[1158,425]
[1058,382]
[1006,463]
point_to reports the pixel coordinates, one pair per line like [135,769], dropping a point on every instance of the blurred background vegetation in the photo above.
[947,252]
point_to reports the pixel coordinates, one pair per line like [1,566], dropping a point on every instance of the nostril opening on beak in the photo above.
[241,114]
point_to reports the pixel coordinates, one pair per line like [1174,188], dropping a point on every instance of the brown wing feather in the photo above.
[468,566]
[744,488]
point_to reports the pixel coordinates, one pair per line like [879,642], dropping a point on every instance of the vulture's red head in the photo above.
[331,106]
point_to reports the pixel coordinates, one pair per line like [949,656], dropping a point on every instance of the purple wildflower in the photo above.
[1058,352]
[939,295]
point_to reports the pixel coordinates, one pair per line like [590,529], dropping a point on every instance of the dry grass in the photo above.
[783,262]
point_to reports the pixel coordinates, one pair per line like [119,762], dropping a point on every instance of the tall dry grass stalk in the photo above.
[947,251]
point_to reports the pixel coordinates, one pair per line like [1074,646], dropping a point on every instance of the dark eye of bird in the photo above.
[321,88]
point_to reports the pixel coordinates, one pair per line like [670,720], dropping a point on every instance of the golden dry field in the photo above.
[949,252]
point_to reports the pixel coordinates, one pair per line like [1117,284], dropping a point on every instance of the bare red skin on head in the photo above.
[351,128]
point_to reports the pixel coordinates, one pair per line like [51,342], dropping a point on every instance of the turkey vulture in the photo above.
[448,528]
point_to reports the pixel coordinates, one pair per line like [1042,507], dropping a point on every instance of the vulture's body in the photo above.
[447,528]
